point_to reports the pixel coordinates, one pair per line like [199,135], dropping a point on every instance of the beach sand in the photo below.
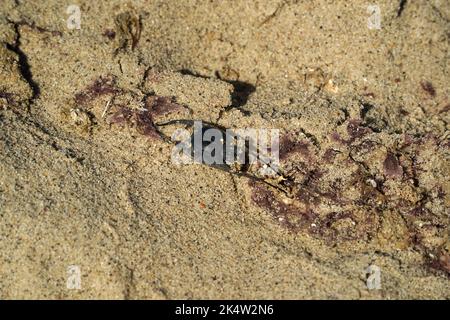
[87,183]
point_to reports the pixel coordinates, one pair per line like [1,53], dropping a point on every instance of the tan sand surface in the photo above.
[86,180]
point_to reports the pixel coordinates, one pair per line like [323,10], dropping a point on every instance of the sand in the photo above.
[87,181]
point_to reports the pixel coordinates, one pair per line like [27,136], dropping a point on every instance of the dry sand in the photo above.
[363,115]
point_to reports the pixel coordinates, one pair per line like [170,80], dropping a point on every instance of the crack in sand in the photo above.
[24,66]
[401,7]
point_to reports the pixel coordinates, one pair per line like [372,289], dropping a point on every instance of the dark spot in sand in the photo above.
[363,148]
[419,210]
[444,262]
[333,217]
[158,105]
[336,137]
[355,130]
[140,119]
[121,116]
[369,94]
[110,34]
[407,140]
[289,146]
[329,155]
[428,88]
[445,109]
[440,192]
[287,215]
[128,28]
[391,166]
[8,97]
[145,125]
[143,119]
[101,86]
[32,25]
